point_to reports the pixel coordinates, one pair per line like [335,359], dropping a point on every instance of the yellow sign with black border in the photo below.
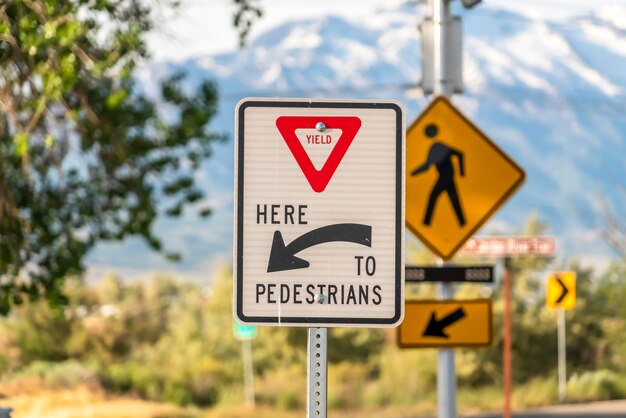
[456,178]
[446,324]
[561,290]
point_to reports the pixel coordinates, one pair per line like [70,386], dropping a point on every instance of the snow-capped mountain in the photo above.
[552,95]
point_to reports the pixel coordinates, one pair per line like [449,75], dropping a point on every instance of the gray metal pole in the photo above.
[562,370]
[441,20]
[317,371]
[248,374]
[446,376]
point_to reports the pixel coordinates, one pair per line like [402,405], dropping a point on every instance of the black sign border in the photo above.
[270,320]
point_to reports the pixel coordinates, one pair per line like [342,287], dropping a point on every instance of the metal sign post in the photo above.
[439,134]
[562,369]
[507,337]
[248,375]
[446,378]
[317,372]
[246,333]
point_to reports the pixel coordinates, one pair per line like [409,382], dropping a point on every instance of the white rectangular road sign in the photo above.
[319,219]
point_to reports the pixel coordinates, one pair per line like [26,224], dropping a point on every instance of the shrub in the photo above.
[284,388]
[346,383]
[59,375]
[599,385]
[537,392]
[160,383]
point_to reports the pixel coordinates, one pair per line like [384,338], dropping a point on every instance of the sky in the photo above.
[204,27]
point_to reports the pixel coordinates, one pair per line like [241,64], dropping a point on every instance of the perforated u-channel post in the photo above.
[317,371]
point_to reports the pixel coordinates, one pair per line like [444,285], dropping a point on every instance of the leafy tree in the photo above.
[245,15]
[85,154]
[608,302]
[613,226]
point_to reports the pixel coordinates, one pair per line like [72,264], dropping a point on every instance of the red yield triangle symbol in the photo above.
[318,179]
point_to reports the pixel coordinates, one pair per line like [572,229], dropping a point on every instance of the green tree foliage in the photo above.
[246,14]
[160,339]
[534,338]
[85,154]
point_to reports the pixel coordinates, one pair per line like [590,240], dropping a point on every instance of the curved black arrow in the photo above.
[435,327]
[282,257]
[564,290]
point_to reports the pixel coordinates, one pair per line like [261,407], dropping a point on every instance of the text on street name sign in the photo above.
[474,274]
[510,246]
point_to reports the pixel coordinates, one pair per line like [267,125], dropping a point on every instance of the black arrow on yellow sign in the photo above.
[435,328]
[564,290]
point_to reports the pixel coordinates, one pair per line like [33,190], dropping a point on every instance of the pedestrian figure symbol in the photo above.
[440,155]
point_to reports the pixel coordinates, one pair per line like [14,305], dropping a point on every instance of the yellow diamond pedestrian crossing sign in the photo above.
[456,178]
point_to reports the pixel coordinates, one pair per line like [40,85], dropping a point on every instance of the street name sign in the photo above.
[244,332]
[510,246]
[319,214]
[561,290]
[456,178]
[446,324]
[472,274]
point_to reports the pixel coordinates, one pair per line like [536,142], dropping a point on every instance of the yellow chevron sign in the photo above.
[561,290]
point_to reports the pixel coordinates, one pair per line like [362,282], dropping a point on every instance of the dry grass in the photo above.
[90,401]
[244,411]
[85,402]
[265,412]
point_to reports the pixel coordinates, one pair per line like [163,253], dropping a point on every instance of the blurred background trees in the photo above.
[85,154]
[169,340]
